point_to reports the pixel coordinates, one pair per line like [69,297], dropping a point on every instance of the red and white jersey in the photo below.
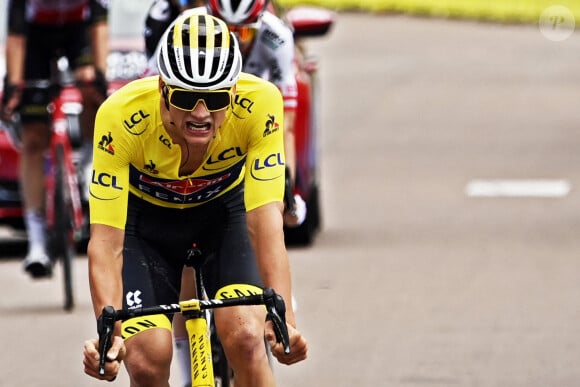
[57,12]
[272,57]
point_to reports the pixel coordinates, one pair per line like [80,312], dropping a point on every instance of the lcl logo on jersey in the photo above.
[268,168]
[105,180]
[165,141]
[245,103]
[135,119]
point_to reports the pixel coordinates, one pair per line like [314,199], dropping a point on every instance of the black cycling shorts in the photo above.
[44,44]
[157,240]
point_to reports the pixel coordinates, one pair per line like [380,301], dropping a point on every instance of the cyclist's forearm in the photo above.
[100,44]
[266,232]
[105,272]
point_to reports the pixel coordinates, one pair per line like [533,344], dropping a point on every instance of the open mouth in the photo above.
[198,127]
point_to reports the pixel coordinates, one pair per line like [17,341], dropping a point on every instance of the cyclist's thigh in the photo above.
[38,57]
[233,261]
[77,46]
[149,277]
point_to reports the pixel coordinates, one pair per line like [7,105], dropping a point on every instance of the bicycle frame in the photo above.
[197,327]
[60,139]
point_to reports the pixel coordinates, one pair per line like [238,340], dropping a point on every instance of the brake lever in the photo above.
[277,314]
[290,205]
[105,326]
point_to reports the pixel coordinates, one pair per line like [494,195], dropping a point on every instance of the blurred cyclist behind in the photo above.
[40,31]
[267,46]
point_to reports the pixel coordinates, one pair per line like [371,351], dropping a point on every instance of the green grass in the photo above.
[508,11]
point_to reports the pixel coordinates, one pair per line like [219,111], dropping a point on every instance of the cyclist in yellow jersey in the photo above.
[194,155]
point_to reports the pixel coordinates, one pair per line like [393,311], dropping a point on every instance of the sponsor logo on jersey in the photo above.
[132,122]
[244,103]
[106,144]
[272,39]
[186,191]
[103,179]
[271,126]
[220,161]
[268,168]
[275,72]
[151,167]
[165,141]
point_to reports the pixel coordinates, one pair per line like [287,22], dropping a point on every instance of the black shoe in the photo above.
[38,266]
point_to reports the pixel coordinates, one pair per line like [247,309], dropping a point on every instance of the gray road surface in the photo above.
[412,282]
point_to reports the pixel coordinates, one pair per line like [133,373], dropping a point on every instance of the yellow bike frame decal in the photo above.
[238,290]
[200,349]
[135,325]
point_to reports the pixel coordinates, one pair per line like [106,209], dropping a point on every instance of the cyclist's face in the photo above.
[196,127]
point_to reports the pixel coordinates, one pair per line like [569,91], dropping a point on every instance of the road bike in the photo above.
[64,213]
[208,362]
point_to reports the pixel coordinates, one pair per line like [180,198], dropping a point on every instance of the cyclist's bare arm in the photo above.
[267,235]
[105,252]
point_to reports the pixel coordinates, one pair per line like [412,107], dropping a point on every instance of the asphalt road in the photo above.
[412,281]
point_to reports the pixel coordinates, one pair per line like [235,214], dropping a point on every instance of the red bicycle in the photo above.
[63,208]
[64,211]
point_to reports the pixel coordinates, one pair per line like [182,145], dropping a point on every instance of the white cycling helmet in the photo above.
[199,52]
[238,12]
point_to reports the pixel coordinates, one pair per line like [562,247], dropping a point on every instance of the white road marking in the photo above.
[518,188]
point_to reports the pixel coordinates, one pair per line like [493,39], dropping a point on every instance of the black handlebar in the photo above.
[276,312]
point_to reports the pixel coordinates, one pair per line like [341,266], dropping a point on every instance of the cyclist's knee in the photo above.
[242,333]
[148,359]
[35,137]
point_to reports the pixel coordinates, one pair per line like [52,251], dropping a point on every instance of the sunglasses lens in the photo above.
[217,101]
[244,34]
[182,99]
[187,99]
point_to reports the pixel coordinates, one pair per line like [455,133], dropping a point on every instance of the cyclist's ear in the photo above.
[164,90]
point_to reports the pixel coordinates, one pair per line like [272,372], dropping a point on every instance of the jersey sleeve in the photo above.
[279,46]
[99,11]
[16,17]
[109,188]
[265,164]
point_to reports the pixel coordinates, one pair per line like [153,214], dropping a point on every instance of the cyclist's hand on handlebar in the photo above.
[114,357]
[298,345]
[11,96]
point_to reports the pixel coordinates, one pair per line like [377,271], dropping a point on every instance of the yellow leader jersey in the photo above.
[134,153]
